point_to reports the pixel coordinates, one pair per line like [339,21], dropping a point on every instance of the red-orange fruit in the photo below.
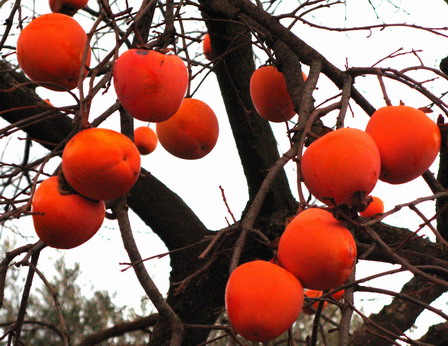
[317,249]
[207,47]
[338,295]
[145,140]
[375,207]
[262,300]
[191,133]
[51,49]
[64,221]
[341,165]
[101,164]
[150,85]
[408,141]
[310,309]
[269,94]
[68,7]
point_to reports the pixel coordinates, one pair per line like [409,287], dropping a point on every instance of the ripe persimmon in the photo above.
[68,7]
[207,47]
[408,141]
[375,207]
[311,308]
[150,85]
[101,164]
[192,132]
[51,49]
[317,249]
[62,220]
[269,94]
[262,300]
[145,140]
[341,165]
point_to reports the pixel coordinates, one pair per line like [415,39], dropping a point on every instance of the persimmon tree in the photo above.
[243,36]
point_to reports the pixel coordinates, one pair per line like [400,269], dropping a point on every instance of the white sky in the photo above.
[198,181]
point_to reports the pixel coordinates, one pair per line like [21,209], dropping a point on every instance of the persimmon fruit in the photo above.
[145,140]
[262,300]
[192,132]
[408,141]
[341,165]
[51,49]
[207,47]
[269,94]
[68,7]
[101,164]
[310,309]
[317,249]
[150,85]
[64,221]
[375,207]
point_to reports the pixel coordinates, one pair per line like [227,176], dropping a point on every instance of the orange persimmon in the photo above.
[192,132]
[262,300]
[207,47]
[145,140]
[341,165]
[68,7]
[101,164]
[317,249]
[51,49]
[63,220]
[311,308]
[269,94]
[408,141]
[375,207]
[150,85]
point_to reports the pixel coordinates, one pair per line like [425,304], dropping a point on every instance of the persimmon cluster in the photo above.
[316,251]
[101,164]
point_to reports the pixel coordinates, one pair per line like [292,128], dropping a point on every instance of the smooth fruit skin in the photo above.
[207,47]
[270,96]
[340,164]
[64,221]
[191,133]
[311,309]
[150,85]
[145,140]
[262,300]
[375,207]
[408,141]
[101,164]
[317,249]
[51,49]
[68,7]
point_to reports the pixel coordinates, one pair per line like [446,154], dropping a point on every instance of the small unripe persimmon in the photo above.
[64,220]
[68,7]
[191,133]
[408,142]
[150,85]
[101,164]
[145,139]
[318,249]
[262,300]
[51,49]
[375,207]
[341,166]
